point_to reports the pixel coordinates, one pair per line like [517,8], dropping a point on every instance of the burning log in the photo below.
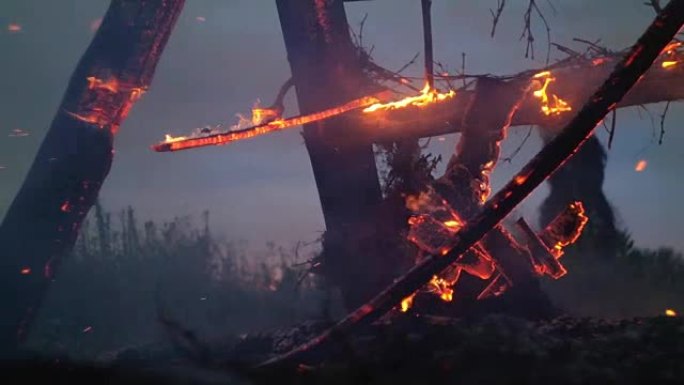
[260,128]
[416,117]
[626,74]
[42,223]
[572,84]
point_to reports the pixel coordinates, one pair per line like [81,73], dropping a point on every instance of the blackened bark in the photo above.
[62,184]
[326,73]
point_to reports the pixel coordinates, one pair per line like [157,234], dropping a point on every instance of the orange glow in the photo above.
[670,313]
[184,143]
[66,207]
[566,228]
[407,302]
[552,105]
[442,288]
[669,64]
[453,224]
[427,96]
[641,165]
[26,271]
[598,61]
[111,85]
[14,28]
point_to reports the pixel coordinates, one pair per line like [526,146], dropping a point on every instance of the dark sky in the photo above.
[263,189]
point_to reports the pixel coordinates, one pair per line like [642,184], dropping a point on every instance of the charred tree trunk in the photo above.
[327,72]
[42,223]
[581,178]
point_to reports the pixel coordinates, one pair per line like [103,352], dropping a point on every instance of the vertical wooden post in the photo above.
[327,72]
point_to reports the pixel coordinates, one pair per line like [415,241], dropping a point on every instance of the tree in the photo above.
[42,223]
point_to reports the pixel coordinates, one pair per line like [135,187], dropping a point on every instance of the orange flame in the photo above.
[407,302]
[183,143]
[641,165]
[427,96]
[579,218]
[442,288]
[552,105]
[670,313]
[669,63]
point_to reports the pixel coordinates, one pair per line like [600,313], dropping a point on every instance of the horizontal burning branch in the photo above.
[221,138]
[551,103]
[432,113]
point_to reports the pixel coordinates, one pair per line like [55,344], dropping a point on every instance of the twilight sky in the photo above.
[223,55]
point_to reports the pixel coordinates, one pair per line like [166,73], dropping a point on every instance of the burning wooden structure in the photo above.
[454,226]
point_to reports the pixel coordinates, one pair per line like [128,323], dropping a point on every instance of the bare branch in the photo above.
[662,123]
[612,128]
[427,41]
[500,5]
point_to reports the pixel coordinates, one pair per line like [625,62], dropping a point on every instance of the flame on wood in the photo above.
[566,228]
[184,143]
[551,104]
[427,96]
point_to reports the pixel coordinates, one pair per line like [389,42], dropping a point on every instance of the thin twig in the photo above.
[612,128]
[427,42]
[509,158]
[662,123]
[500,5]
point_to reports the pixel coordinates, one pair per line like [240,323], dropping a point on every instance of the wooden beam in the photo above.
[574,84]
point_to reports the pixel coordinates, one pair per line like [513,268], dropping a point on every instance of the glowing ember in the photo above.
[14,28]
[66,207]
[641,165]
[552,105]
[565,229]
[427,96]
[407,302]
[25,271]
[111,85]
[442,288]
[670,313]
[216,139]
[669,64]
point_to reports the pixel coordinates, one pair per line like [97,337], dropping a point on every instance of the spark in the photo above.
[641,165]
[14,28]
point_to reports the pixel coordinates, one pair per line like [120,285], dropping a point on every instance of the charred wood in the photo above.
[42,223]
